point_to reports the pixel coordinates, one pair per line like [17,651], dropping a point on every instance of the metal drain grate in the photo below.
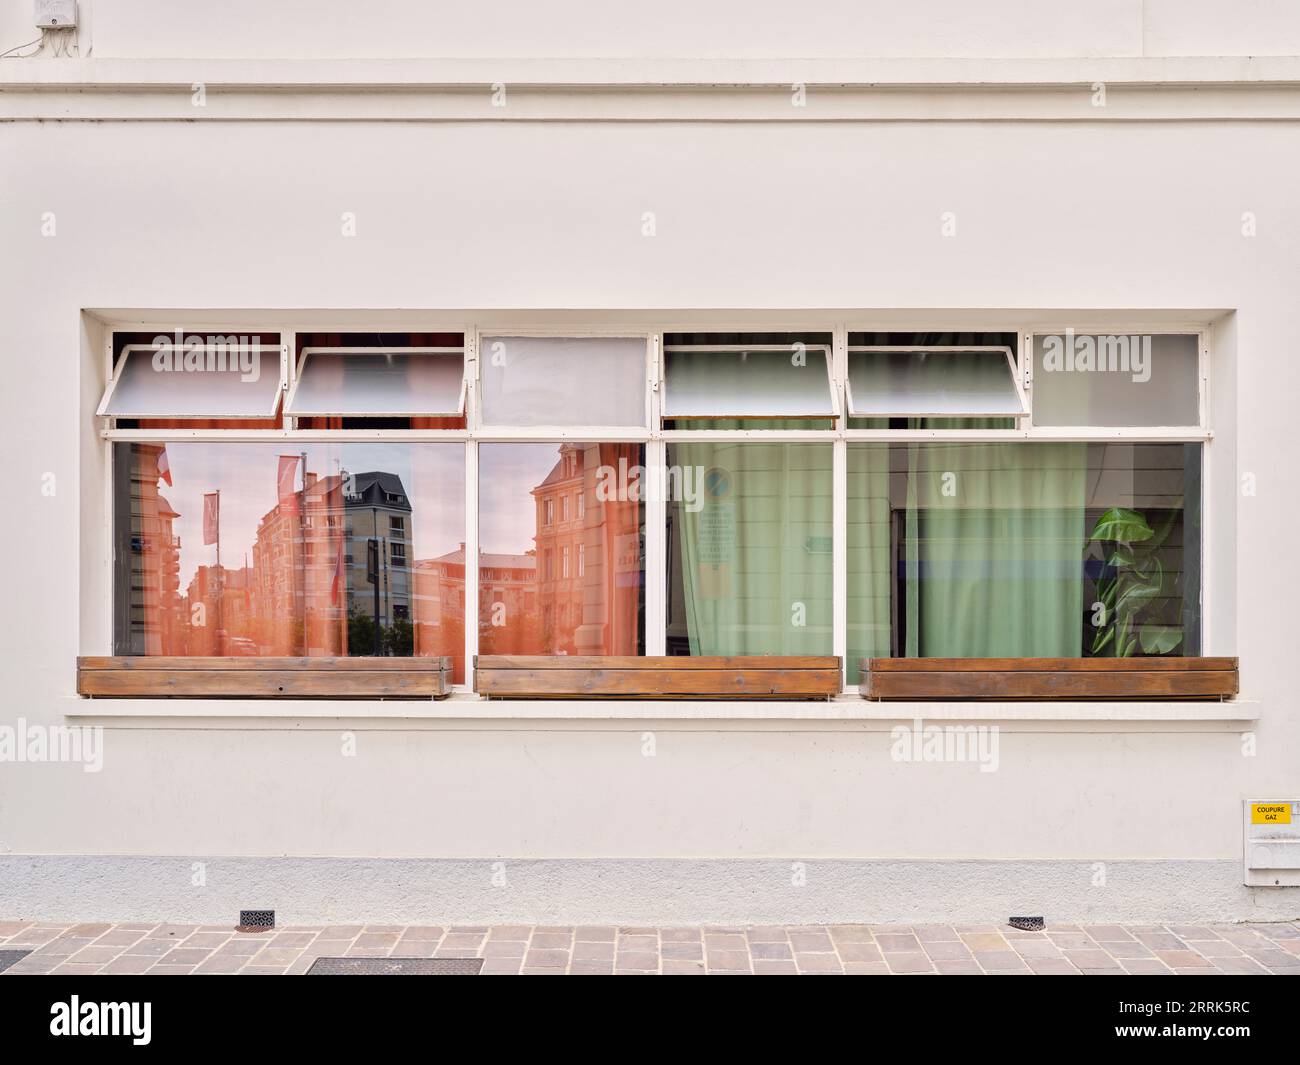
[256,920]
[8,957]
[395,967]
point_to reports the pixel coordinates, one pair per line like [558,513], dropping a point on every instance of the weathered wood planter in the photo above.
[1049,678]
[265,678]
[579,677]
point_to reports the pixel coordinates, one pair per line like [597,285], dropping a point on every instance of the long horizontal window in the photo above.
[984,494]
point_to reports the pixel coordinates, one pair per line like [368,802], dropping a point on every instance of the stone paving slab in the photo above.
[1067,950]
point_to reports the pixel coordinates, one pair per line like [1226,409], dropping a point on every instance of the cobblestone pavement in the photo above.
[1260,949]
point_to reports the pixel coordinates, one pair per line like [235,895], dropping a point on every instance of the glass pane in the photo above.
[1023,550]
[561,549]
[233,381]
[253,549]
[749,548]
[379,383]
[936,384]
[747,384]
[1092,379]
[563,381]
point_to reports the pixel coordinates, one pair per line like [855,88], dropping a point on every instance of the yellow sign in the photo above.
[1270,813]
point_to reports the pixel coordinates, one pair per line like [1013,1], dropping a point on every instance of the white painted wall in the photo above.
[671,28]
[535,217]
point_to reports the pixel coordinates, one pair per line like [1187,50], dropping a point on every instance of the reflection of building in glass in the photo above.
[507,584]
[560,539]
[157,619]
[376,505]
[311,557]
[588,553]
[300,587]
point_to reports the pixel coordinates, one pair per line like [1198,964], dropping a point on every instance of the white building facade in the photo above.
[857,175]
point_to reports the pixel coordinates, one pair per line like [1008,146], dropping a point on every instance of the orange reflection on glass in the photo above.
[561,559]
[256,550]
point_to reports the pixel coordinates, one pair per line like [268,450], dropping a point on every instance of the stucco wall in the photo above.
[384,28]
[830,220]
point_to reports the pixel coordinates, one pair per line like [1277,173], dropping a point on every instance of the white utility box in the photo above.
[56,14]
[1273,843]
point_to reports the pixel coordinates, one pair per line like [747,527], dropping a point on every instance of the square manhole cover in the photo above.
[8,957]
[395,967]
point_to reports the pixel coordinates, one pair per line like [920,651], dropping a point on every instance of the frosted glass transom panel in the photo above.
[563,380]
[1116,379]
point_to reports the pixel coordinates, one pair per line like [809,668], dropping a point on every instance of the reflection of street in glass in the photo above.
[571,578]
[291,560]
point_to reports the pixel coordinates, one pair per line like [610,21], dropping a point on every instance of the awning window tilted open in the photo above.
[934,382]
[748,381]
[358,382]
[234,380]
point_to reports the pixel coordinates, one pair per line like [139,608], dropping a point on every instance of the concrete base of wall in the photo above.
[627,890]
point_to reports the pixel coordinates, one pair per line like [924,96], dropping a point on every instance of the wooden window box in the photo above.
[1049,678]
[265,678]
[675,677]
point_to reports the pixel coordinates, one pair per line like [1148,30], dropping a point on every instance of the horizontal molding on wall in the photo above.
[706,90]
[628,890]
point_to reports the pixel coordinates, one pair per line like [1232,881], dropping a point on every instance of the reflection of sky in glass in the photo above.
[507,475]
[433,475]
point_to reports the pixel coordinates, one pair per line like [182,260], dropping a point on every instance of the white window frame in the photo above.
[376,351]
[655,438]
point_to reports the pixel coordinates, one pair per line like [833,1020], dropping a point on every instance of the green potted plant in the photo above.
[1131,586]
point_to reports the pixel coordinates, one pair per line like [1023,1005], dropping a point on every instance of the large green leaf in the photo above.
[1122,556]
[1103,637]
[1135,596]
[1160,639]
[1122,525]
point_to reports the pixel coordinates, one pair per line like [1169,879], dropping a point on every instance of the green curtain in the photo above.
[995,535]
[756,557]
[869,570]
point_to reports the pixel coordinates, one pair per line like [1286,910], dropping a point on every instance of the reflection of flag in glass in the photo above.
[164,467]
[340,577]
[211,517]
[284,475]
